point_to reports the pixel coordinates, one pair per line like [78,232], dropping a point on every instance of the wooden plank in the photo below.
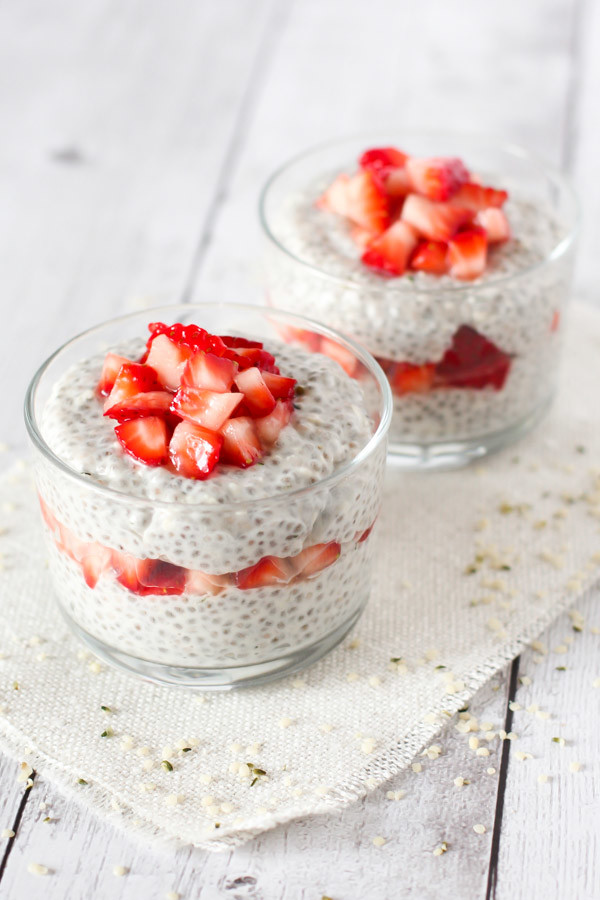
[116,115]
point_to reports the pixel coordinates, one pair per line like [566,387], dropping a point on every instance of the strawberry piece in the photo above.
[213,373]
[150,403]
[207,408]
[241,445]
[382,159]
[494,223]
[192,337]
[437,178]
[270,570]
[268,428]
[132,379]
[435,221]
[257,396]
[361,236]
[397,183]
[194,450]
[407,378]
[155,576]
[478,197]
[430,256]
[256,356]
[472,361]
[110,370]
[336,197]
[168,359]
[467,254]
[236,342]
[145,439]
[345,358]
[198,582]
[125,568]
[389,253]
[368,205]
[282,388]
[96,560]
[315,559]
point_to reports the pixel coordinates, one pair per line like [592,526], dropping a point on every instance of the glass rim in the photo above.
[394,286]
[40,444]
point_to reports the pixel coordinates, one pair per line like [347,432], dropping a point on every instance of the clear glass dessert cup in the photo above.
[513,316]
[126,570]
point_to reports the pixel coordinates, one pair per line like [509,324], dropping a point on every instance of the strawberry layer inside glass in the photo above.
[155,576]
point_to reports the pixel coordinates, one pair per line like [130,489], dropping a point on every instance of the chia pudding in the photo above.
[465,316]
[260,561]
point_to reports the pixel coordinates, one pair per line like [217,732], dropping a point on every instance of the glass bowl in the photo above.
[166,588]
[505,328]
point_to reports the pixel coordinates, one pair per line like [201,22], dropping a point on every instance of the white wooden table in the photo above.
[135,135]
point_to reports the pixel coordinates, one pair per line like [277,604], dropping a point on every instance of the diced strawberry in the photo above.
[435,221]
[145,439]
[241,444]
[266,572]
[361,537]
[207,408]
[430,256]
[472,361]
[336,199]
[110,370]
[192,337]
[257,396]
[198,582]
[397,183]
[406,378]
[345,358]
[494,223]
[256,356]
[96,560]
[155,576]
[132,379]
[168,359]
[368,205]
[150,403]
[236,342]
[194,451]
[282,388]
[71,544]
[382,159]
[478,197]
[125,568]
[213,373]
[361,236]
[316,558]
[389,253]
[269,427]
[467,254]
[437,178]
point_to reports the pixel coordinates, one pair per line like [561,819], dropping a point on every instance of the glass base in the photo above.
[456,454]
[215,679]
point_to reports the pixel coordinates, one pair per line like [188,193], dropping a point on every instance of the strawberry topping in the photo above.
[390,252]
[145,439]
[207,408]
[472,361]
[241,444]
[436,178]
[430,256]
[467,253]
[382,160]
[110,370]
[194,450]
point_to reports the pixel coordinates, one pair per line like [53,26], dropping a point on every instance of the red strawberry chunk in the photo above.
[110,370]
[437,178]
[472,361]
[257,396]
[382,159]
[207,408]
[478,196]
[344,357]
[241,444]
[315,559]
[213,373]
[125,568]
[467,254]
[268,428]
[194,450]
[361,236]
[494,223]
[145,439]
[191,337]
[336,198]
[150,403]
[430,256]
[169,360]
[95,562]
[435,221]
[389,253]
[198,582]
[368,205]
[255,356]
[266,572]
[132,379]
[397,183]
[236,342]
[155,576]
[282,388]
[406,378]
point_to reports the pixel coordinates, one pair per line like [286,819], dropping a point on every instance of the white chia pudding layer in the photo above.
[233,628]
[235,517]
[413,318]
